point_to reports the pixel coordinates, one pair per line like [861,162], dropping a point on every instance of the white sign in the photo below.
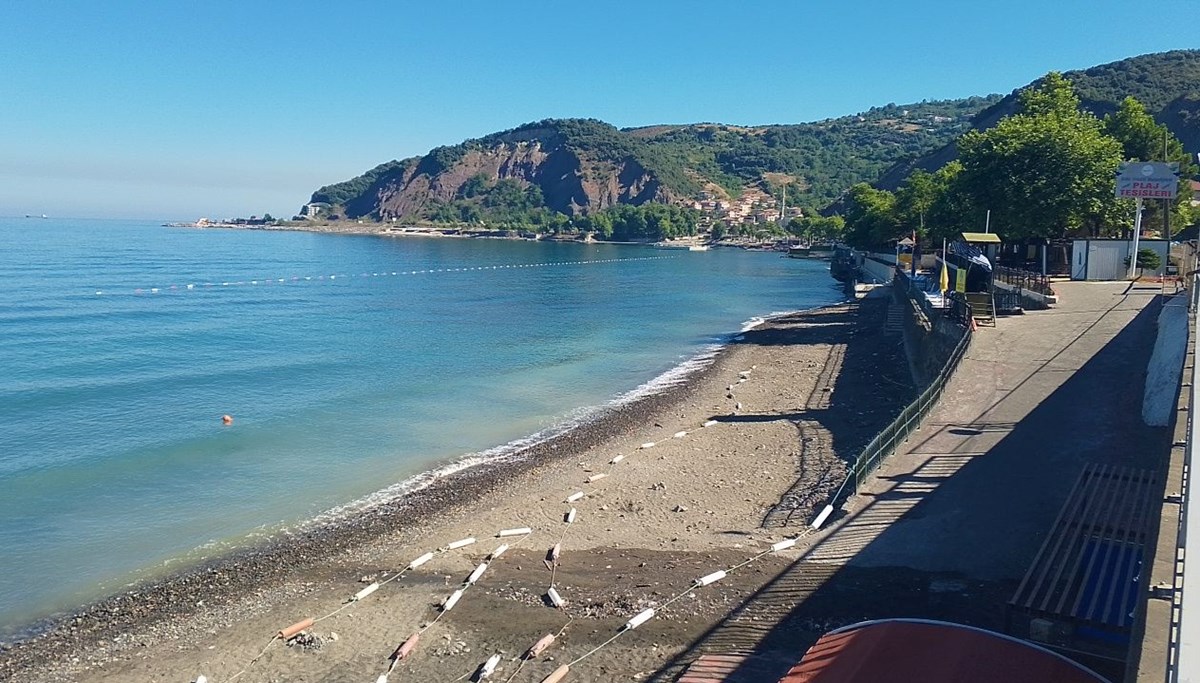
[1147,180]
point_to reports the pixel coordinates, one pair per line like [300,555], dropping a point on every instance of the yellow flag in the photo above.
[945,283]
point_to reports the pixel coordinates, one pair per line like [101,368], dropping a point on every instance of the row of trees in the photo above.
[625,222]
[1045,172]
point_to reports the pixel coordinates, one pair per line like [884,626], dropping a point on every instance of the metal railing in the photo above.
[909,420]
[1023,279]
[954,304]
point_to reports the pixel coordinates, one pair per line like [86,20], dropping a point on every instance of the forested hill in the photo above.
[1167,83]
[577,166]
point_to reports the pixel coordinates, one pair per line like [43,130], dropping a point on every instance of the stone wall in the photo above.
[927,343]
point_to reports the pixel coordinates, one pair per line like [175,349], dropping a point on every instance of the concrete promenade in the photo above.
[949,525]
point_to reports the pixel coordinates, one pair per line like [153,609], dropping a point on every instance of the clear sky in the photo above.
[175,110]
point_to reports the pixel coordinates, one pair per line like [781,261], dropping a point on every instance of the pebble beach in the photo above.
[708,474]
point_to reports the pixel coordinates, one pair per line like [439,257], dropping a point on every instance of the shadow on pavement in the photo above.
[952,538]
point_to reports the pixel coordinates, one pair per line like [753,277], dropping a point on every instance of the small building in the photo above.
[1105,259]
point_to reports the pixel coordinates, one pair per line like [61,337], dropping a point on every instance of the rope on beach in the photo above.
[255,659]
[648,614]
[406,648]
[297,279]
[538,648]
[299,627]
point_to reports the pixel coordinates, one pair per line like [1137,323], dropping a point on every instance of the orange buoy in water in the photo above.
[227,419]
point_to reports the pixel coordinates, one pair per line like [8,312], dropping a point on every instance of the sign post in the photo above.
[1142,180]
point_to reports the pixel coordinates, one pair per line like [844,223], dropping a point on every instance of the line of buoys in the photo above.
[576,496]
[596,477]
[195,286]
[570,518]
[500,549]
[555,598]
[519,531]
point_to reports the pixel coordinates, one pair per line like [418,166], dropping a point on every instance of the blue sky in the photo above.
[179,110]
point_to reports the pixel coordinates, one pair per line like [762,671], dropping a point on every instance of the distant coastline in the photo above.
[392,230]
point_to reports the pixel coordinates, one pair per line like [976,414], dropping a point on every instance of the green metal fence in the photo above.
[909,420]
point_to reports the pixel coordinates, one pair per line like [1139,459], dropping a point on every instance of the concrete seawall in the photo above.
[1166,362]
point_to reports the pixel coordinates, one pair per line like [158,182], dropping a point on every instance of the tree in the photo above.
[871,217]
[1146,258]
[1144,139]
[1046,171]
[914,199]
[952,211]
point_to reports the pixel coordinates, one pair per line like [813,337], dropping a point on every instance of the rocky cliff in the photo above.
[571,180]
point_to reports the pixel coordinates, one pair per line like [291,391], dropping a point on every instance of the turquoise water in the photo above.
[343,378]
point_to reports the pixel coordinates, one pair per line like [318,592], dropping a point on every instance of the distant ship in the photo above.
[29,215]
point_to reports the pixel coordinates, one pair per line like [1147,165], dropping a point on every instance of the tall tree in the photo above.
[871,217]
[1144,139]
[1046,171]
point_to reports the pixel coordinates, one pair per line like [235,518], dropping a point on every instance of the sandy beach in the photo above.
[785,406]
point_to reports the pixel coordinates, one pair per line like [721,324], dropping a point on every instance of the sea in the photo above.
[354,369]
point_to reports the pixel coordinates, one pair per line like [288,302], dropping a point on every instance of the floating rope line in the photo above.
[297,279]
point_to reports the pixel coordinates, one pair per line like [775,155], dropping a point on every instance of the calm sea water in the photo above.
[349,364]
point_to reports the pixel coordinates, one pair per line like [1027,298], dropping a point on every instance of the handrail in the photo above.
[1023,279]
[909,420]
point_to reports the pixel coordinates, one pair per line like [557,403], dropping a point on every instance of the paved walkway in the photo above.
[950,524]
[978,487]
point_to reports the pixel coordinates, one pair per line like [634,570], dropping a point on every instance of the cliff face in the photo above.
[570,181]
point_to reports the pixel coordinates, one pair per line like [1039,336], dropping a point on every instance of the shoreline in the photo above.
[364,520]
[389,230]
[171,609]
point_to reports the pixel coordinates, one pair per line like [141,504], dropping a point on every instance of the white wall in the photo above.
[1105,259]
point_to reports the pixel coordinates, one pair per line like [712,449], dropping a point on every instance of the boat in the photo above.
[681,247]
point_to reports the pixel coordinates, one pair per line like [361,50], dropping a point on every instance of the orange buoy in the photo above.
[294,629]
[227,419]
[406,647]
[540,646]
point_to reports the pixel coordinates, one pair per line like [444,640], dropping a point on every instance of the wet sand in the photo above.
[819,385]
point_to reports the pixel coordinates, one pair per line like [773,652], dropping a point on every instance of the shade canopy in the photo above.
[984,237]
